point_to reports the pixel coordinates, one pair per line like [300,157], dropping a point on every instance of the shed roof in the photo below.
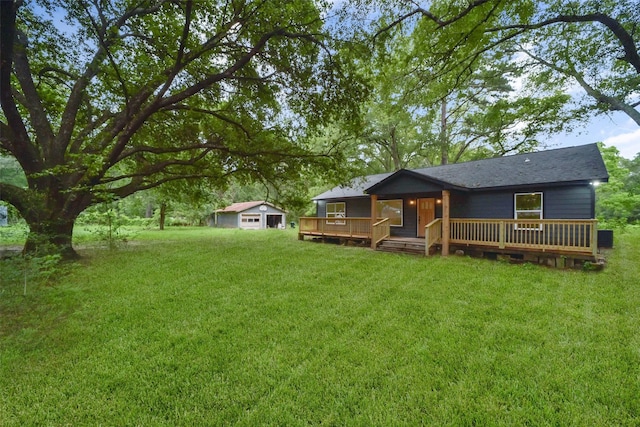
[243,206]
[577,164]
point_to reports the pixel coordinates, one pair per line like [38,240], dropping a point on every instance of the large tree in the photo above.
[584,46]
[431,109]
[102,99]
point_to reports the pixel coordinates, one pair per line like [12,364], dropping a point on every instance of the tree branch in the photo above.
[626,40]
[613,103]
[32,100]
[20,144]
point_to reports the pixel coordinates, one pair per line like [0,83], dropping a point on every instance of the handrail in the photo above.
[432,234]
[381,230]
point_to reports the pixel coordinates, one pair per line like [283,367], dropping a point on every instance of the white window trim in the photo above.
[336,213]
[401,211]
[516,211]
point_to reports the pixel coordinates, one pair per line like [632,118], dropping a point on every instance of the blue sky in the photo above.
[615,129]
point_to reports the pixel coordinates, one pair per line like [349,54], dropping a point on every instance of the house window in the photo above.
[528,206]
[336,210]
[391,209]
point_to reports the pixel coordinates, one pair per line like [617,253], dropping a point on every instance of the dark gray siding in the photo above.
[409,221]
[569,203]
[406,184]
[482,205]
[357,207]
[574,202]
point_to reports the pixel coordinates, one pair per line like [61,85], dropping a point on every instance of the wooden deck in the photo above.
[563,237]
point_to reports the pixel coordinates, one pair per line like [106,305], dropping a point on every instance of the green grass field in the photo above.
[229,327]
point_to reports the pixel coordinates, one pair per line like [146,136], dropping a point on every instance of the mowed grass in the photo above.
[230,327]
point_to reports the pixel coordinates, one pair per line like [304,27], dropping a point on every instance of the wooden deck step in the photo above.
[401,246]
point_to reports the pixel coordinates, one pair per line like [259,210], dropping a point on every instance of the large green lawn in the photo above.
[217,327]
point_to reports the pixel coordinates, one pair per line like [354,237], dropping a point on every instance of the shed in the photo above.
[254,215]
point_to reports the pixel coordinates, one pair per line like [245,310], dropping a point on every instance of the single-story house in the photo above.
[542,201]
[253,215]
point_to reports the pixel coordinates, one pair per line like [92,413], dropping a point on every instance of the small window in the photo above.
[528,206]
[336,210]
[391,209]
[250,218]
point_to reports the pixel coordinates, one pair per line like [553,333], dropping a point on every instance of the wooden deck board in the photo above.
[336,235]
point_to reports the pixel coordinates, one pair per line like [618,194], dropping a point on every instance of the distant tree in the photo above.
[619,199]
[125,97]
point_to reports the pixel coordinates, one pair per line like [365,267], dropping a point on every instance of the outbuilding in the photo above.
[253,215]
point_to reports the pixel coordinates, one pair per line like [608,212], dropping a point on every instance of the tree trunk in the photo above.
[51,237]
[444,146]
[163,212]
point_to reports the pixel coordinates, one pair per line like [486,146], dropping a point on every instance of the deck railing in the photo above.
[351,227]
[553,235]
[432,234]
[381,231]
[576,236]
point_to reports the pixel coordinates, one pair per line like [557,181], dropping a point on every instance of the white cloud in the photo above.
[627,143]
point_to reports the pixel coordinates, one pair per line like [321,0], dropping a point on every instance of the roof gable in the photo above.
[407,181]
[243,206]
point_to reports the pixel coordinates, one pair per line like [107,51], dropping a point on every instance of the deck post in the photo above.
[374,202]
[445,222]
[594,238]
[501,235]
[427,239]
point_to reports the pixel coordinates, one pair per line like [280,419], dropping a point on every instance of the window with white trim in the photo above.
[391,209]
[528,206]
[336,210]
[250,218]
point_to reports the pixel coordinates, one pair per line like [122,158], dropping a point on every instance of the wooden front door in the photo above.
[426,214]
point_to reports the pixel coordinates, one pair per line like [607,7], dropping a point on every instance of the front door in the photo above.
[426,214]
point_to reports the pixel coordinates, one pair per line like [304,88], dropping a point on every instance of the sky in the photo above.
[616,130]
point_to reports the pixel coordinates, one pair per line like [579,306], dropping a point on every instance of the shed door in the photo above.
[250,221]
[426,214]
[274,220]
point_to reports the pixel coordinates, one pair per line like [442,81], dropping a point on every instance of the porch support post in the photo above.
[445,222]
[374,201]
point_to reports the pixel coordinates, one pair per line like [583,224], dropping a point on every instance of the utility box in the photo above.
[605,238]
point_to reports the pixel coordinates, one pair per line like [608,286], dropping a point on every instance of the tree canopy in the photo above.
[589,46]
[127,96]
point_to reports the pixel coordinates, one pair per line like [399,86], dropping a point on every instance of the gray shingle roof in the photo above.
[581,163]
[355,189]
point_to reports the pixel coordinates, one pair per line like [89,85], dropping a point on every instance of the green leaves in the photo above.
[121,97]
[618,201]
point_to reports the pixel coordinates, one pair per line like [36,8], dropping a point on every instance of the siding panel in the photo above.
[405,184]
[569,202]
